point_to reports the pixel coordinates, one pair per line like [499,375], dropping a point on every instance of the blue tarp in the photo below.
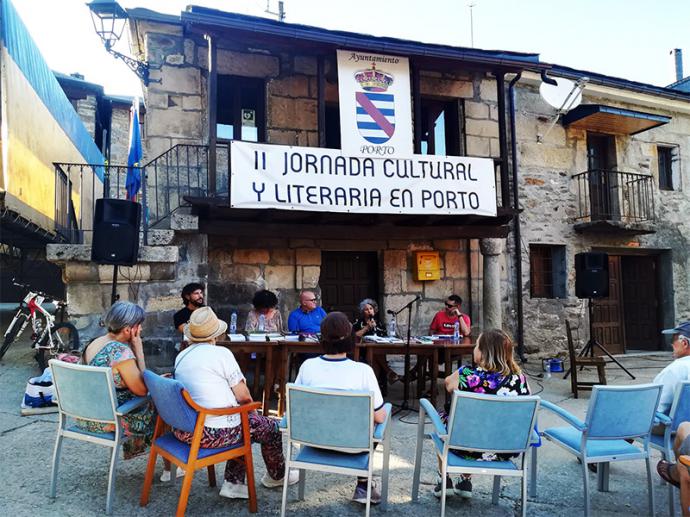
[21,47]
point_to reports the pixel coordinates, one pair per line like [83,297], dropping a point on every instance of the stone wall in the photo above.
[240,267]
[548,197]
[119,134]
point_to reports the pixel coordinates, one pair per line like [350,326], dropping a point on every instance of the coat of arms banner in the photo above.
[375,105]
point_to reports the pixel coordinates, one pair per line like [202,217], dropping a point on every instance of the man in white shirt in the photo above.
[679,369]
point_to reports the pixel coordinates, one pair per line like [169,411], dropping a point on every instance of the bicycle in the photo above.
[48,338]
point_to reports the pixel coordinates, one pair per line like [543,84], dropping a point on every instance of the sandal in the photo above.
[664,470]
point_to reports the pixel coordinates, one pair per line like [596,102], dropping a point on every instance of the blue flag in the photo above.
[133,182]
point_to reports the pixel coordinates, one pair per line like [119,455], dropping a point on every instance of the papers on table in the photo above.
[379,339]
[237,337]
[291,337]
[260,336]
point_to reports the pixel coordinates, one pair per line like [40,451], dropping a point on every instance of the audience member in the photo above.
[214,380]
[122,350]
[677,371]
[334,370]
[495,373]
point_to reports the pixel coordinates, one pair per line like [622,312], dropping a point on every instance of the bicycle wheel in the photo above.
[12,332]
[65,337]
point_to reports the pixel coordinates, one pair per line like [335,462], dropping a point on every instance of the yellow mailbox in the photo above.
[427,265]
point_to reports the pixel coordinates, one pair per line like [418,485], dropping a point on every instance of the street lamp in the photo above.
[109,20]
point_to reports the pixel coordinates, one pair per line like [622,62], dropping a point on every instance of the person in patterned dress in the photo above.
[495,372]
[122,350]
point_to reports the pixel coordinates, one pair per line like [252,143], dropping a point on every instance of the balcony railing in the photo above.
[615,196]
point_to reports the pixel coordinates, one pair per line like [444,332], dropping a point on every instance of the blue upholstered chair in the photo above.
[679,412]
[88,393]
[615,414]
[334,432]
[498,424]
[177,409]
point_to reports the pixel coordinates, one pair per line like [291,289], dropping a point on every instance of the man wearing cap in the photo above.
[213,378]
[677,371]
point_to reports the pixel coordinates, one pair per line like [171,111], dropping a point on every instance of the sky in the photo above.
[631,39]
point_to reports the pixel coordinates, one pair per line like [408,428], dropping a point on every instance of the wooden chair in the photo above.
[577,361]
[177,409]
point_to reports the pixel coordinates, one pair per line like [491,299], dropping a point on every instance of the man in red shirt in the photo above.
[444,321]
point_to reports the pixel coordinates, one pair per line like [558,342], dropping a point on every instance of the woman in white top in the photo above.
[334,370]
[214,380]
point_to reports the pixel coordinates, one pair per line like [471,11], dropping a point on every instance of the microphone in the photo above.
[390,312]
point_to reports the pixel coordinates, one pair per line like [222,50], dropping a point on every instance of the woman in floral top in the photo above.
[495,372]
[122,350]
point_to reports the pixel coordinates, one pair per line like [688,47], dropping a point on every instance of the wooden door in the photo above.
[603,182]
[607,313]
[640,303]
[346,279]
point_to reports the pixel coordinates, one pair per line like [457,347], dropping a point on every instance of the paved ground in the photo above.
[26,444]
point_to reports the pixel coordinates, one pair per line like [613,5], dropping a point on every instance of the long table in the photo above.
[278,355]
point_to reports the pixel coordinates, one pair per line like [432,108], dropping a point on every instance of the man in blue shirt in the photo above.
[307,317]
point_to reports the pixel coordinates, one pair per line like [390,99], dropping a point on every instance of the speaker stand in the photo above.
[113,295]
[588,349]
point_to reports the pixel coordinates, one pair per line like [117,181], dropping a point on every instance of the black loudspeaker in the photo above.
[116,232]
[592,275]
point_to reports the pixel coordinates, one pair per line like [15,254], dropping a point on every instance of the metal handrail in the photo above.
[613,195]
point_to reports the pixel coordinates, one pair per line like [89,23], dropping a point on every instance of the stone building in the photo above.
[289,86]
[216,74]
[612,176]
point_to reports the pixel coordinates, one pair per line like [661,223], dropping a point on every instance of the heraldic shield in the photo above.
[375,116]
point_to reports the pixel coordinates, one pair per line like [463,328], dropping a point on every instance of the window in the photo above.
[441,132]
[241,104]
[547,271]
[332,126]
[668,167]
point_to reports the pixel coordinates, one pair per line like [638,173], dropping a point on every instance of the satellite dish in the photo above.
[564,95]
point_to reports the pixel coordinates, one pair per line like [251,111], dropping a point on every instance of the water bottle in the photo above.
[391,327]
[262,323]
[547,369]
[456,332]
[233,323]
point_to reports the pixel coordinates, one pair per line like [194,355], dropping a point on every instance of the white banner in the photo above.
[375,104]
[323,180]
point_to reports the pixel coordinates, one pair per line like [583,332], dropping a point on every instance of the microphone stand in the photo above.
[406,377]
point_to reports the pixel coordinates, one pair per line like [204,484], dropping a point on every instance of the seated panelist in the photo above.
[444,321]
[306,318]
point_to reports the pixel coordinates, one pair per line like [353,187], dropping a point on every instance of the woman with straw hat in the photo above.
[214,380]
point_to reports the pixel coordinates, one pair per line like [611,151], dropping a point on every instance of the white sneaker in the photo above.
[165,476]
[234,490]
[269,482]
